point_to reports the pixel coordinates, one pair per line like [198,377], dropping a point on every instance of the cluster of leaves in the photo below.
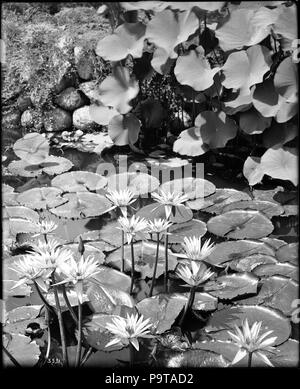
[242,68]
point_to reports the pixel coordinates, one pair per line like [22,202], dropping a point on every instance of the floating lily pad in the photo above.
[51,165]
[217,201]
[279,269]
[41,198]
[273,242]
[25,351]
[18,219]
[118,279]
[79,181]
[20,291]
[144,258]
[19,318]
[108,234]
[251,262]
[268,208]
[288,253]
[138,183]
[89,249]
[233,285]
[271,319]
[9,196]
[204,302]
[229,251]
[21,212]
[33,148]
[72,297]
[166,164]
[197,359]
[93,237]
[188,229]
[155,211]
[162,310]
[240,224]
[192,187]
[276,292]
[287,354]
[82,205]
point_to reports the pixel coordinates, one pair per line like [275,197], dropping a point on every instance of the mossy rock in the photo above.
[70,99]
[57,119]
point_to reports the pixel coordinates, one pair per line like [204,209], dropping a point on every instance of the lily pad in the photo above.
[41,198]
[279,269]
[19,318]
[144,258]
[79,181]
[250,263]
[268,208]
[113,277]
[287,354]
[51,165]
[217,201]
[20,291]
[82,205]
[138,183]
[240,224]
[227,318]
[204,302]
[233,285]
[252,170]
[191,228]
[124,129]
[154,211]
[192,187]
[33,148]
[288,253]
[25,351]
[197,359]
[162,310]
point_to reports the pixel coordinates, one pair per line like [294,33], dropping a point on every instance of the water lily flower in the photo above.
[30,271]
[128,330]
[159,226]
[195,273]
[194,250]
[46,227]
[133,227]
[251,342]
[78,272]
[169,200]
[121,199]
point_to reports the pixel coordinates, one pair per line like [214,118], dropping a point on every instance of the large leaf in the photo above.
[252,122]
[192,187]
[154,211]
[124,130]
[286,80]
[127,39]
[240,224]
[268,208]
[189,229]
[101,114]
[41,198]
[32,148]
[79,181]
[193,69]
[252,170]
[279,134]
[166,30]
[271,319]
[144,253]
[230,286]
[251,262]
[229,251]
[197,359]
[246,68]
[113,277]
[190,143]
[19,318]
[162,310]
[118,90]
[82,205]
[25,351]
[279,269]
[138,183]
[287,354]
[286,26]
[51,165]
[288,253]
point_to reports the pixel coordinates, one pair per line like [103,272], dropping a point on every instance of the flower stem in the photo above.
[131,354]
[132,267]
[14,361]
[166,262]
[47,305]
[49,336]
[69,305]
[61,325]
[46,239]
[155,267]
[87,355]
[250,359]
[188,304]
[122,252]
[78,353]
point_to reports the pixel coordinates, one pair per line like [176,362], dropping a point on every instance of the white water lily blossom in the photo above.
[121,199]
[169,200]
[77,272]
[30,271]
[159,226]
[194,249]
[133,227]
[46,227]
[195,273]
[128,330]
[250,341]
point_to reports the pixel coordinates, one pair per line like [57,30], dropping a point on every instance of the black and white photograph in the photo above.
[149,188]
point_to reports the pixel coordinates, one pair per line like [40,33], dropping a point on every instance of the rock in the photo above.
[24,103]
[11,119]
[57,120]
[65,44]
[82,119]
[90,90]
[27,119]
[70,99]
[85,63]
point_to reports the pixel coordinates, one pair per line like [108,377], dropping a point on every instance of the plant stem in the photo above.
[49,335]
[87,355]
[188,304]
[122,252]
[132,267]
[46,239]
[131,354]
[69,305]
[61,325]
[14,361]
[155,267]
[47,305]
[249,359]
[166,262]
[78,353]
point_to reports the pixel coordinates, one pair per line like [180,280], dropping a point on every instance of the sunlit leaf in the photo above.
[288,253]
[268,208]
[279,269]
[196,359]
[101,114]
[51,165]
[155,6]
[124,130]
[32,148]
[286,80]
[285,26]
[19,318]
[153,211]
[230,286]
[41,198]
[138,183]
[251,262]
[79,181]
[191,187]
[190,143]
[210,6]
[189,229]
[252,170]
[25,351]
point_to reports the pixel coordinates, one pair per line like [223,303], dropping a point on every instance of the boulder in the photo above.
[11,119]
[89,89]
[23,103]
[82,119]
[70,99]
[57,119]
[84,62]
